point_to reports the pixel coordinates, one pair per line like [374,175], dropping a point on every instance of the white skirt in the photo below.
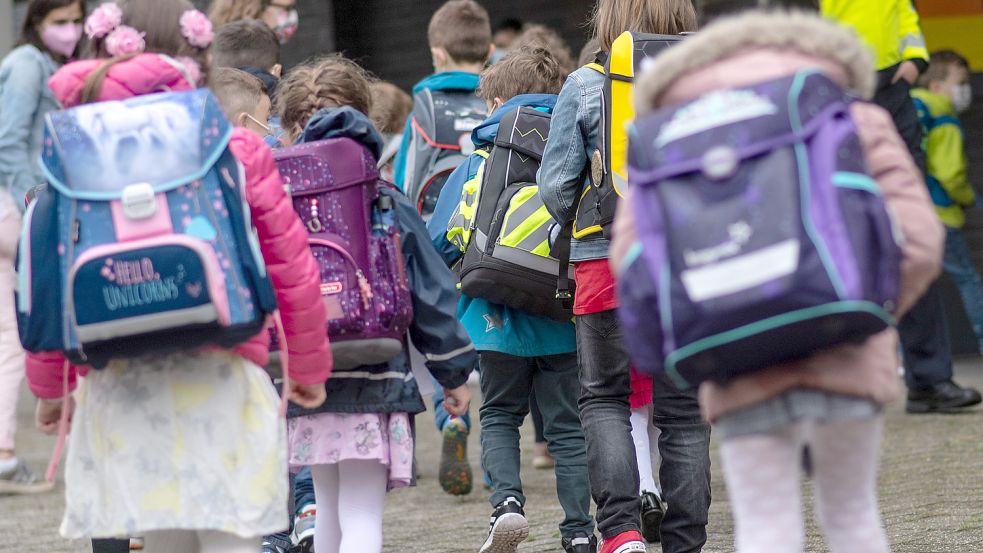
[190,441]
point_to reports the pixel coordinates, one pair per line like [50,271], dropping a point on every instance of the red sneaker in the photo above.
[625,542]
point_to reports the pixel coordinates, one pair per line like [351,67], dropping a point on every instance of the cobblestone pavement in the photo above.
[931,485]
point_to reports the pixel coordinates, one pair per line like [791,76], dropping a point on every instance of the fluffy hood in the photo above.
[143,74]
[802,38]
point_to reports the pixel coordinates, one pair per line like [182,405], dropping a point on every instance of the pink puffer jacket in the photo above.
[283,239]
[757,47]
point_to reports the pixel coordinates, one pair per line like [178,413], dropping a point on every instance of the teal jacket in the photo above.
[446,80]
[496,327]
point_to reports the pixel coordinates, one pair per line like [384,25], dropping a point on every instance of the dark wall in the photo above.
[389,37]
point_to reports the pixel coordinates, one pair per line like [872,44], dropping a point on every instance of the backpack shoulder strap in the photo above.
[596,67]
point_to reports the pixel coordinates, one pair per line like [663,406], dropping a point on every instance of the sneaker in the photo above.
[270,548]
[455,470]
[653,511]
[580,543]
[625,542]
[541,458]
[508,528]
[303,534]
[944,397]
[21,480]
[136,544]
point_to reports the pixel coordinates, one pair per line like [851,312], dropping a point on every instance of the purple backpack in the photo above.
[354,238]
[761,237]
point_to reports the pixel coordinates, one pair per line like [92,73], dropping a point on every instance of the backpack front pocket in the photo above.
[133,288]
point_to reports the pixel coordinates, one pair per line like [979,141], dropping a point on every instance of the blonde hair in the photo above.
[526,71]
[667,17]
[227,11]
[462,28]
[328,82]
[237,91]
[391,107]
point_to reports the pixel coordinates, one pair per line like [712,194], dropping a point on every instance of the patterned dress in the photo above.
[186,441]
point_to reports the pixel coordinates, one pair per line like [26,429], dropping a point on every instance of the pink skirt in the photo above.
[328,438]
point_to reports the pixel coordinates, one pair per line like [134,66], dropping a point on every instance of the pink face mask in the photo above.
[287,22]
[62,39]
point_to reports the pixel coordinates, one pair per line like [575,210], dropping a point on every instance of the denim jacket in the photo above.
[25,99]
[574,133]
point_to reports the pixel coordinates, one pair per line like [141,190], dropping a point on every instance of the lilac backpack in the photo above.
[354,238]
[761,237]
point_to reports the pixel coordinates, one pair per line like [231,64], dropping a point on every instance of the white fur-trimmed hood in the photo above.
[801,33]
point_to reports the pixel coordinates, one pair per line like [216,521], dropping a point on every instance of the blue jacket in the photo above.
[496,327]
[574,135]
[25,99]
[446,80]
[435,331]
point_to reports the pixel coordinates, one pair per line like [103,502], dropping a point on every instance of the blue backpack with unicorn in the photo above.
[142,241]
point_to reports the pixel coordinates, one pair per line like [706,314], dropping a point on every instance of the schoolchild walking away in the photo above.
[942,94]
[243,99]
[391,108]
[784,407]
[360,442]
[520,352]
[577,137]
[435,142]
[50,35]
[183,446]
[891,30]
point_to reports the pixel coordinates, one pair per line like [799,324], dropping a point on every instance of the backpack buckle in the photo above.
[139,201]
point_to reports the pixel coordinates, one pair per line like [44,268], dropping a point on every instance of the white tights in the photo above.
[762,475]
[350,498]
[646,438]
[191,541]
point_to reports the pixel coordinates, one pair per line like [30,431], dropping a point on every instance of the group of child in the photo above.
[210,476]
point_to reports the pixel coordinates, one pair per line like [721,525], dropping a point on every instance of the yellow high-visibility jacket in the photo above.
[889,27]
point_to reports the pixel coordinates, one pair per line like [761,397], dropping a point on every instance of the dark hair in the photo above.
[37,10]
[709,10]
[245,42]
[939,65]
[510,24]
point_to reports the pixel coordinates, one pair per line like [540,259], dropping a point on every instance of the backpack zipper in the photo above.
[365,289]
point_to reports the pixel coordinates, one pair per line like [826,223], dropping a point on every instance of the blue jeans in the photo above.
[959,264]
[506,383]
[440,415]
[302,488]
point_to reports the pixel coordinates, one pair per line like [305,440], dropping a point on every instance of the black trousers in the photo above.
[110,546]
[924,331]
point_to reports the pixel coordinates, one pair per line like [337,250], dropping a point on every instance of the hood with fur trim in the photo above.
[749,48]
[139,75]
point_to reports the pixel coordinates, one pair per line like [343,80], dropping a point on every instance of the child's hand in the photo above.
[48,414]
[456,401]
[308,396]
[907,71]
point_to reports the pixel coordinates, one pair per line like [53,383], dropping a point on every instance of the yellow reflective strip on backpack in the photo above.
[459,225]
[527,223]
[622,108]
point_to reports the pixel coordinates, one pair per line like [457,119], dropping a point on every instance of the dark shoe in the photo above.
[652,512]
[580,543]
[508,528]
[455,470]
[944,397]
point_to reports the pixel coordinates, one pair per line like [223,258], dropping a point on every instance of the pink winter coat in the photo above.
[283,240]
[757,47]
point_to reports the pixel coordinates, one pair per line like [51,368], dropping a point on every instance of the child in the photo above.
[541,36]
[604,365]
[459,35]
[359,443]
[520,352]
[391,109]
[828,405]
[145,454]
[943,93]
[243,99]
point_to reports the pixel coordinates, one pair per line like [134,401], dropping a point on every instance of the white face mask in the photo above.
[962,97]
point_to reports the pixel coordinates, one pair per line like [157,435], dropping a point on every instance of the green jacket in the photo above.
[943,142]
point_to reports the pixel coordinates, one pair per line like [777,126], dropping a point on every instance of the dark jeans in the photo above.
[604,412]
[506,382]
[684,444]
[110,546]
[896,99]
[302,495]
[537,418]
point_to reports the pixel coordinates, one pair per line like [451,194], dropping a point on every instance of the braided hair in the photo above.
[332,81]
